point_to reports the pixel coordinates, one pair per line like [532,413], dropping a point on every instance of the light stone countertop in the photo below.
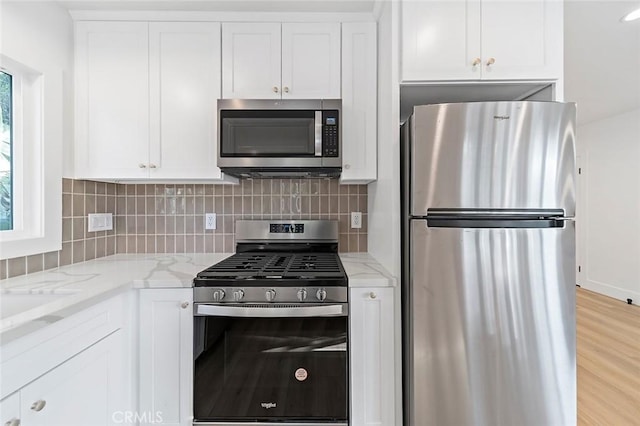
[364,271]
[60,292]
[60,289]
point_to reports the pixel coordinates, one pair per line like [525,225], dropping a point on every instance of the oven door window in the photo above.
[267,133]
[270,369]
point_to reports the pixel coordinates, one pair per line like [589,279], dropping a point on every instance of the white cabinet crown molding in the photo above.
[213,16]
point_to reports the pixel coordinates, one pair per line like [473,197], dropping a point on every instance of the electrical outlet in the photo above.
[210,221]
[100,222]
[356,220]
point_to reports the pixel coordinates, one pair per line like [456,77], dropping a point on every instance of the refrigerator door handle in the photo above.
[496,213]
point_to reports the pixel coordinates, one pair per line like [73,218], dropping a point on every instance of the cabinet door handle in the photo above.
[142,166]
[491,61]
[13,422]
[38,405]
[152,166]
[285,89]
[184,305]
[476,62]
[373,295]
[275,89]
[347,166]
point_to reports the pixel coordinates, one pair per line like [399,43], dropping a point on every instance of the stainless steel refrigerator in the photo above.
[489,334]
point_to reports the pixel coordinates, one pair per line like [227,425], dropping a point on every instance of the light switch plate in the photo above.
[100,222]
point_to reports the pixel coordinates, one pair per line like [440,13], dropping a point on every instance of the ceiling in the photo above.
[602,58]
[225,5]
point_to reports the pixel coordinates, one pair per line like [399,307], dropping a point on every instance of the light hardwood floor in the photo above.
[608,361]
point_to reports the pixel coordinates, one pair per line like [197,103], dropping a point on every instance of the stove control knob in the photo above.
[321,294]
[238,295]
[302,294]
[218,295]
[270,295]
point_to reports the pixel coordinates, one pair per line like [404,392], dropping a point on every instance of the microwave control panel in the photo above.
[330,134]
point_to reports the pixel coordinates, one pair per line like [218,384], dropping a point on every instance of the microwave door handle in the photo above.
[271,311]
[318,134]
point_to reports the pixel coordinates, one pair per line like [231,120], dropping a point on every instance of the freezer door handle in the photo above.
[496,213]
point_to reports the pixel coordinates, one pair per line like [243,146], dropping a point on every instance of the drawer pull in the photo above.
[13,422]
[184,305]
[491,61]
[38,405]
[373,295]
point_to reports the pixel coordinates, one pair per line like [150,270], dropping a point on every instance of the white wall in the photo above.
[608,214]
[384,194]
[602,58]
[39,35]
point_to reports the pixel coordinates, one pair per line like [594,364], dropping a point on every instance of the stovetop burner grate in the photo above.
[276,265]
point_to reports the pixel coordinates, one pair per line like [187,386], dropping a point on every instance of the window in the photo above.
[6,139]
[36,59]
[30,160]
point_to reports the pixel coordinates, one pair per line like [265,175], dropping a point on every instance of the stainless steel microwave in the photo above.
[279,138]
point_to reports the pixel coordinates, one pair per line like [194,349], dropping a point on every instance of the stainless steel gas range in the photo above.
[270,329]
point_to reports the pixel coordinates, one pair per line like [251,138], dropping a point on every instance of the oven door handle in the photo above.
[271,311]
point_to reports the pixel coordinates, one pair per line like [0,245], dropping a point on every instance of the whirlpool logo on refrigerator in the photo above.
[268,405]
[501,117]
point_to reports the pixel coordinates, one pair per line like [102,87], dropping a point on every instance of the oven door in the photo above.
[270,363]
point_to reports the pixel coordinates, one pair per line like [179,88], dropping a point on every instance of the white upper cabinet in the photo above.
[112,100]
[481,40]
[251,60]
[359,101]
[184,81]
[146,100]
[311,61]
[280,61]
[440,40]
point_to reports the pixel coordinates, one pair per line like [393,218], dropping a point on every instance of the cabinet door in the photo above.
[85,390]
[166,355]
[524,38]
[10,410]
[112,100]
[311,61]
[371,349]
[184,61]
[359,101]
[440,40]
[251,60]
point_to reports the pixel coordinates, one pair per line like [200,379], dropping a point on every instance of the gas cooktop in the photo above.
[282,269]
[280,253]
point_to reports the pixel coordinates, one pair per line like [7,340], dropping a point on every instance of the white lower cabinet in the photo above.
[10,410]
[165,356]
[88,389]
[372,365]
